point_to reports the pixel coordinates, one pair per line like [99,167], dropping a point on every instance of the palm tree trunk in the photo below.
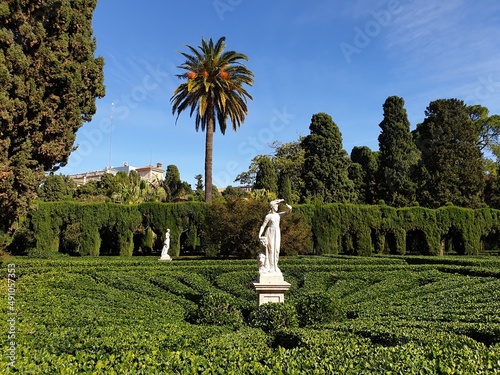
[209,146]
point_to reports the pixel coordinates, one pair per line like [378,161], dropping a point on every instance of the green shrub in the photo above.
[148,240]
[288,339]
[316,308]
[218,309]
[230,228]
[272,317]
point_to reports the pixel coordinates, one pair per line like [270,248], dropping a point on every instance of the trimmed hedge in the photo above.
[109,229]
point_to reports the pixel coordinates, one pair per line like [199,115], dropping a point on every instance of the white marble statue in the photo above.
[271,238]
[166,246]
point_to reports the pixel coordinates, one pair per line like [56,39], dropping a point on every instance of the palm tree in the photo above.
[213,90]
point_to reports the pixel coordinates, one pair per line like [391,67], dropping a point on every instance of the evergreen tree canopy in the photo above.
[288,160]
[363,171]
[173,184]
[56,188]
[266,177]
[398,155]
[451,167]
[49,81]
[326,164]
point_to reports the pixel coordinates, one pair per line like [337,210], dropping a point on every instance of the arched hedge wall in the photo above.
[79,228]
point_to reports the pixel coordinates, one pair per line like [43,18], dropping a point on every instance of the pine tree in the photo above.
[325,173]
[451,167]
[398,156]
[49,81]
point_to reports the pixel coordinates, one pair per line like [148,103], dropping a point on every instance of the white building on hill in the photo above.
[150,173]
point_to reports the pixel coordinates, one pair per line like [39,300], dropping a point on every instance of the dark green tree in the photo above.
[49,81]
[232,193]
[89,192]
[325,172]
[398,156]
[492,190]
[285,188]
[451,166]
[356,176]
[214,92]
[172,183]
[363,173]
[288,160]
[108,185]
[199,182]
[56,188]
[115,187]
[266,177]
[199,194]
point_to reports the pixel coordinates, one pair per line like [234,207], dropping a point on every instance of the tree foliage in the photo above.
[398,156]
[266,177]
[288,160]
[172,183]
[451,166]
[56,188]
[49,81]
[488,127]
[325,171]
[363,173]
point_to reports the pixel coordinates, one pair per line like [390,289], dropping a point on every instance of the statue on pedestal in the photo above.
[166,246]
[271,239]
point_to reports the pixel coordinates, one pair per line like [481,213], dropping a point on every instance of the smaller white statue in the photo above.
[166,246]
[270,238]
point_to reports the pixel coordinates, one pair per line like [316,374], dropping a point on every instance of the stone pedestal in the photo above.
[165,259]
[271,288]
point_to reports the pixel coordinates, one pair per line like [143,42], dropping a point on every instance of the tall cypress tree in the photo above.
[451,167]
[266,177]
[363,171]
[49,81]
[398,156]
[326,164]
[285,188]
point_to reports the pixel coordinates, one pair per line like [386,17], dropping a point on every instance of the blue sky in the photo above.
[341,57]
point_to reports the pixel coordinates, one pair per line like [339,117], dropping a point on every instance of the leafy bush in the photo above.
[272,317]
[296,235]
[232,227]
[218,309]
[316,308]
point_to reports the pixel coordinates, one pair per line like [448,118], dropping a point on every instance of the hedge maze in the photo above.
[342,315]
